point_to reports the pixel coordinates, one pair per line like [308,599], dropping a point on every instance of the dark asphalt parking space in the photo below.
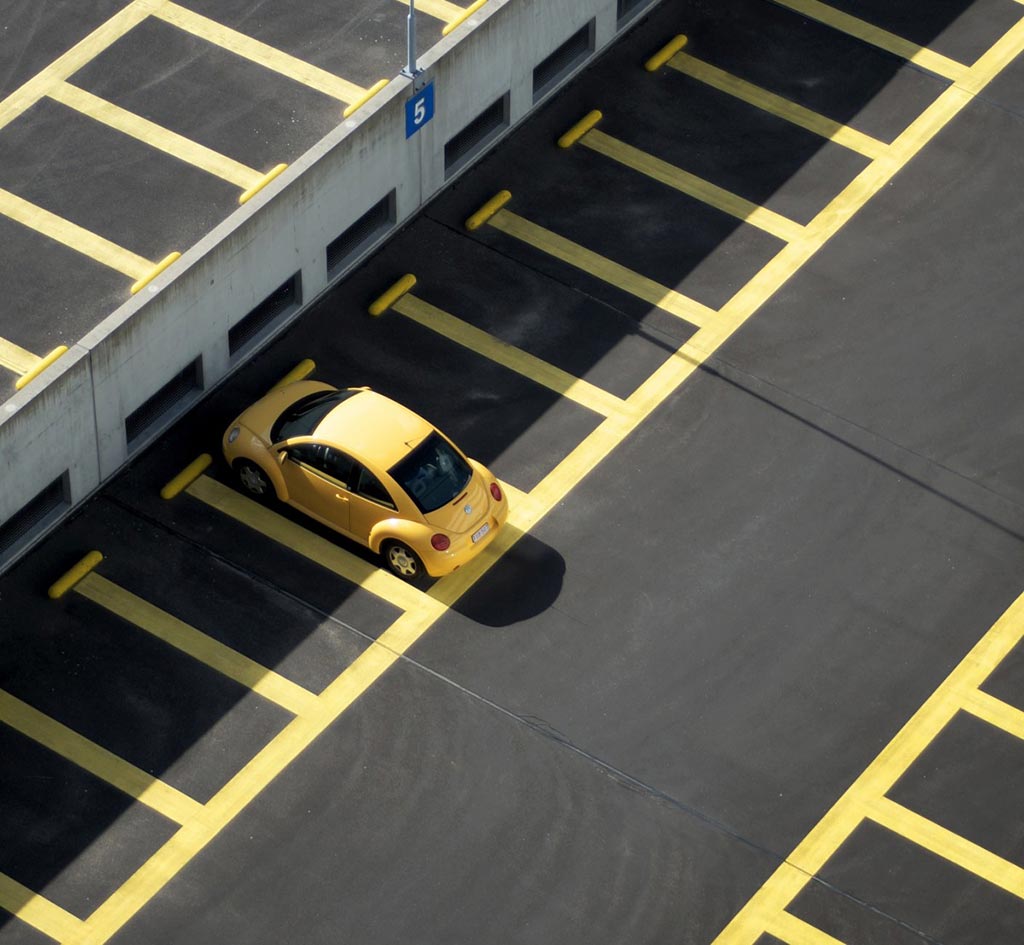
[537,314]
[938,784]
[67,832]
[947,904]
[962,31]
[254,618]
[44,32]
[425,814]
[822,69]
[122,688]
[260,118]
[56,295]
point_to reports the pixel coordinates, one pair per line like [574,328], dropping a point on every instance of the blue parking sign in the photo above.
[419,110]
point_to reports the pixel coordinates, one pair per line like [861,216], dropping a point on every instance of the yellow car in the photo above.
[370,469]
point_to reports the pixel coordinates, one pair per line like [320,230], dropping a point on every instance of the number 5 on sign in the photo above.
[419,110]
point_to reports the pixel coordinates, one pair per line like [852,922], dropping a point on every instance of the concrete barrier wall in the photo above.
[69,423]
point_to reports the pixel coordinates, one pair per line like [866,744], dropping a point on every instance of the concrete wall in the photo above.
[70,421]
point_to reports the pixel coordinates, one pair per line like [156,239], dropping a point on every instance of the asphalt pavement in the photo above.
[744,666]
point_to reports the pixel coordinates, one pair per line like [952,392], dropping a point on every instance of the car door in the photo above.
[316,477]
[369,502]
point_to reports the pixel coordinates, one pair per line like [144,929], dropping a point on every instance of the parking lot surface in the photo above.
[734,321]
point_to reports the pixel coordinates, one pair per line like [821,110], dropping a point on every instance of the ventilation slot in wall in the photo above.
[168,400]
[258,323]
[361,234]
[626,8]
[43,509]
[480,132]
[563,60]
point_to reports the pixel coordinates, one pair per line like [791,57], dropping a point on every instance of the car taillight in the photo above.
[440,542]
[496,492]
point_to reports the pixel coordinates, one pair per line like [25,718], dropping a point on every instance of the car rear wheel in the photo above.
[402,560]
[252,479]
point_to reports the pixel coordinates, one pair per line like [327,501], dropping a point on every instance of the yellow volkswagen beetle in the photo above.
[370,469]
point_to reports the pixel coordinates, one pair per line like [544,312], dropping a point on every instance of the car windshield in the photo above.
[433,474]
[304,416]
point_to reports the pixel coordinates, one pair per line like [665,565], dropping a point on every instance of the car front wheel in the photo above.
[253,479]
[402,560]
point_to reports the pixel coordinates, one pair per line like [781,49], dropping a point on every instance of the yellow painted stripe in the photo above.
[694,186]
[515,359]
[788,928]
[994,711]
[261,53]
[875,36]
[95,759]
[156,136]
[602,268]
[438,9]
[15,358]
[39,912]
[311,546]
[73,236]
[198,645]
[777,105]
[75,58]
[950,846]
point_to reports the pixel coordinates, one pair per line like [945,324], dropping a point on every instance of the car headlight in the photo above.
[233,435]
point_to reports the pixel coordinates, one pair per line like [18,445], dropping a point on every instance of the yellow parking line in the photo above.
[39,912]
[994,711]
[602,268]
[15,358]
[691,184]
[97,760]
[439,9]
[788,928]
[778,106]
[252,49]
[875,36]
[304,542]
[156,136]
[74,236]
[75,58]
[198,645]
[950,846]
[515,359]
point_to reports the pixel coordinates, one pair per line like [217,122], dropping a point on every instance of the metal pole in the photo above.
[410,69]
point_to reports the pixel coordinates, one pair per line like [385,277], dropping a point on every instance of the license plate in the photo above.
[481,531]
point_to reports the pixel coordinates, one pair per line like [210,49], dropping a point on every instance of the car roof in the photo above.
[373,428]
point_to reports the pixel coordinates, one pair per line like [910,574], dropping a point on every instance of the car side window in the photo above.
[370,487]
[324,460]
[309,454]
[339,466]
